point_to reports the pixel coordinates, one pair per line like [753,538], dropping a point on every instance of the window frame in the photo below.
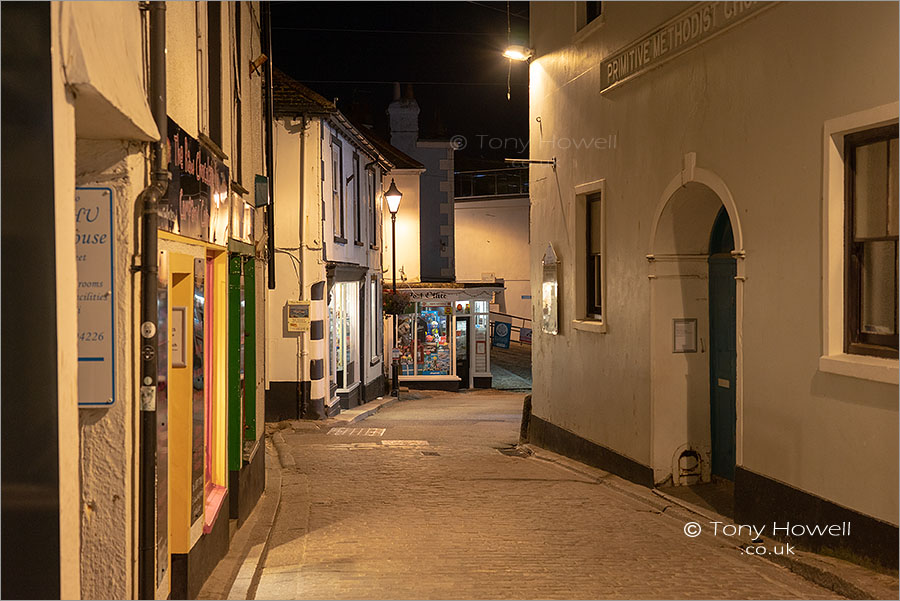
[585,319]
[856,341]
[357,205]
[337,189]
[593,260]
[833,358]
[584,26]
[371,180]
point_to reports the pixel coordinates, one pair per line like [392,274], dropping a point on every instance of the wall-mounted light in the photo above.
[518,52]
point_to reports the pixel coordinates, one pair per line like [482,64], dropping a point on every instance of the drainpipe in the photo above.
[150,198]
[266,42]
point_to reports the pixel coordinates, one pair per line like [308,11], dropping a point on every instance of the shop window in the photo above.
[433,352]
[871,234]
[337,189]
[480,339]
[345,317]
[422,336]
[375,321]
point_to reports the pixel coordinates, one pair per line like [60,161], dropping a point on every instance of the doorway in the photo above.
[462,351]
[722,343]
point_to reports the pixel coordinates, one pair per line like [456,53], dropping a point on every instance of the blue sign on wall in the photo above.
[501,334]
[96,323]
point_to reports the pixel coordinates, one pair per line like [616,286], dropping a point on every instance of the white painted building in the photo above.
[710,322]
[329,190]
[127,529]
[491,214]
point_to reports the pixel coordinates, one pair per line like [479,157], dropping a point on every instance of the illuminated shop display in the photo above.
[343,333]
[439,336]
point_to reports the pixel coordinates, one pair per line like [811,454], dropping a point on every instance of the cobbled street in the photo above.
[417,502]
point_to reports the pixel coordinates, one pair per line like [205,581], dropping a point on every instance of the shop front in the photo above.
[443,341]
[206,310]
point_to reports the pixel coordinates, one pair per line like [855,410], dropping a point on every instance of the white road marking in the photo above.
[356,432]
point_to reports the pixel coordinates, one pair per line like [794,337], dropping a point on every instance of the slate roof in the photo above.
[397,157]
[292,99]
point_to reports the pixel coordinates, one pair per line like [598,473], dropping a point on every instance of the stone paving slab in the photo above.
[459,519]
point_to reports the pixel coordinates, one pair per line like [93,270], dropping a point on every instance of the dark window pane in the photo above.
[870,191]
[879,285]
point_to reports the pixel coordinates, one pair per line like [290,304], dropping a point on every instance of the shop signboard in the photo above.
[96,297]
[502,332]
[198,204]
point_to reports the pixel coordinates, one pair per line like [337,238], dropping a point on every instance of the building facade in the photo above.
[491,216]
[706,310]
[328,304]
[153,467]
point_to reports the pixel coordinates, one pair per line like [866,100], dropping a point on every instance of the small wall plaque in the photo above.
[297,316]
[178,342]
[684,335]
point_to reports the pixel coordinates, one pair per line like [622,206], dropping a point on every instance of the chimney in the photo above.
[404,116]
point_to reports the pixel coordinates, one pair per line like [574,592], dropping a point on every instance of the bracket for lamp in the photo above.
[533,162]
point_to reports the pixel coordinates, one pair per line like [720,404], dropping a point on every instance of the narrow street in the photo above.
[418,501]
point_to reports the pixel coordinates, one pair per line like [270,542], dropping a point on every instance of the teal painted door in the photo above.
[722,349]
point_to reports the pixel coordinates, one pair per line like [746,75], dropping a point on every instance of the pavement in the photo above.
[432,498]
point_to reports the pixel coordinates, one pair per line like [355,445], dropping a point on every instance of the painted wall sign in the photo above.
[96,299]
[418,294]
[690,28]
[198,200]
[297,316]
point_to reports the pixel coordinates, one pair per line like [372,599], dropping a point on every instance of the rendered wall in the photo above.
[492,237]
[408,231]
[751,103]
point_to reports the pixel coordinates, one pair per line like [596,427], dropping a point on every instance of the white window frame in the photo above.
[833,358]
[583,321]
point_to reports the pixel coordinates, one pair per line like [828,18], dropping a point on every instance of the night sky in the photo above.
[449,51]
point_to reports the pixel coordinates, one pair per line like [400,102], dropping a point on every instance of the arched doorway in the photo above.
[696,286]
[722,347]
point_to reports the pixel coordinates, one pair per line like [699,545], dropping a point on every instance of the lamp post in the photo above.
[393,197]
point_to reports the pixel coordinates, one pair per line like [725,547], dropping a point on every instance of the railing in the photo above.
[492,182]
[517,324]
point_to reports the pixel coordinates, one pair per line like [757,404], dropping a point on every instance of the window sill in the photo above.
[340,240]
[863,367]
[214,500]
[589,325]
[358,243]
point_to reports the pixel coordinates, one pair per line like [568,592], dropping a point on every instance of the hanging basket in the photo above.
[396,303]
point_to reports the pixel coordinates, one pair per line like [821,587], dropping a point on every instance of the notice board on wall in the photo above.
[96,319]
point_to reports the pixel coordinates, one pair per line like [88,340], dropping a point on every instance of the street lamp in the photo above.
[393,196]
